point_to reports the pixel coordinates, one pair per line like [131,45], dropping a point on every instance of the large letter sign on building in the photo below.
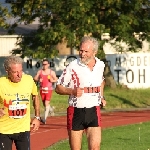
[132,70]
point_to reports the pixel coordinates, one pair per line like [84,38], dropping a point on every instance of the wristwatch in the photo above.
[38,118]
[102,97]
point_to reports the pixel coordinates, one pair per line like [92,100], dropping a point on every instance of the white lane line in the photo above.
[32,133]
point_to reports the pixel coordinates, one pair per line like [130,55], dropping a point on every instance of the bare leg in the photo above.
[47,109]
[94,138]
[75,139]
[51,110]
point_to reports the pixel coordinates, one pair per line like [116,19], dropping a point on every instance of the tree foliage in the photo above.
[4,15]
[62,20]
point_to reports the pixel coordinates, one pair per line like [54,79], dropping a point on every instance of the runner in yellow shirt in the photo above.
[15,92]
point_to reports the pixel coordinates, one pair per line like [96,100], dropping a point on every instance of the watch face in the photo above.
[69,59]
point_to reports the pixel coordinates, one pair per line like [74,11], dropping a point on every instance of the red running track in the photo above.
[55,129]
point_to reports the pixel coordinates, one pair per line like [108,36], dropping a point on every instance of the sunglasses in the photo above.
[44,64]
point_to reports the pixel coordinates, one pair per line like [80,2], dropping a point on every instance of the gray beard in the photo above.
[86,61]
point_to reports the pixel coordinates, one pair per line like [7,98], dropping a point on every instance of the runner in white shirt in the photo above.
[82,80]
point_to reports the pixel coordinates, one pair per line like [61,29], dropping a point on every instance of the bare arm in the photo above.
[36,78]
[60,89]
[102,94]
[2,112]
[53,77]
[36,122]
[36,104]
[102,88]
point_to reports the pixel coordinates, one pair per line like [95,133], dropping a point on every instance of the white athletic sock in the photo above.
[51,109]
[47,109]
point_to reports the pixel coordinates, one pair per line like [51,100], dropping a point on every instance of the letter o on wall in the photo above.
[132,75]
[37,65]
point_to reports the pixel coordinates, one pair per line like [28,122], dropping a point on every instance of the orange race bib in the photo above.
[92,89]
[17,111]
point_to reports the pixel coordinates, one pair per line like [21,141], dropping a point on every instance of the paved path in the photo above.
[55,129]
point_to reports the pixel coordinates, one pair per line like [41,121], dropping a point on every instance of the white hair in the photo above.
[12,60]
[93,40]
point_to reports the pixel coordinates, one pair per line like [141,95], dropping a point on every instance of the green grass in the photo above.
[127,98]
[119,98]
[131,137]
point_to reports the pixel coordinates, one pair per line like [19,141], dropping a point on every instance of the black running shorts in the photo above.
[82,118]
[21,140]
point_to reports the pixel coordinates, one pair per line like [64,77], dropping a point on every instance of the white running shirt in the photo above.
[77,74]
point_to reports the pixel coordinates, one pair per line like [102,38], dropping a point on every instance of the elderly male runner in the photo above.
[83,81]
[16,89]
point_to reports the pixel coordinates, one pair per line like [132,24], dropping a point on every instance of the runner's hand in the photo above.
[103,103]
[77,92]
[35,124]
[2,112]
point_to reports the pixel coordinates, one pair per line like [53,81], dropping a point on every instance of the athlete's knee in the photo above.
[94,146]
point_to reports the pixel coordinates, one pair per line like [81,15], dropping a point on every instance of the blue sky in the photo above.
[4,4]
[10,21]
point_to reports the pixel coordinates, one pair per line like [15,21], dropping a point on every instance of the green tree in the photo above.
[72,19]
[4,15]
[69,20]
